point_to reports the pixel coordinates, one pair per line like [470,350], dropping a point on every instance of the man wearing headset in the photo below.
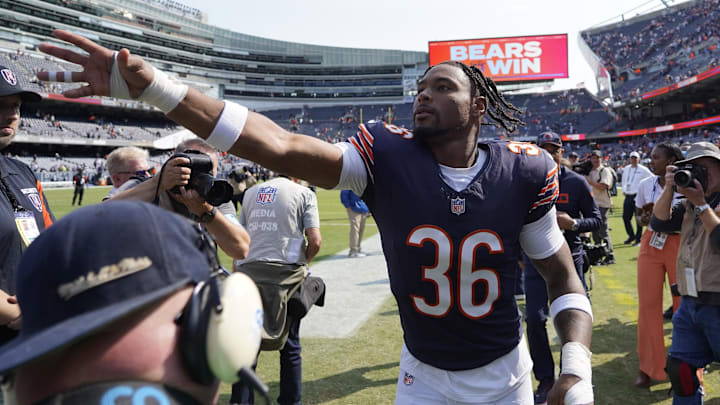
[109,325]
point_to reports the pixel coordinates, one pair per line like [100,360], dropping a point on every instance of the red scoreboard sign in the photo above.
[539,57]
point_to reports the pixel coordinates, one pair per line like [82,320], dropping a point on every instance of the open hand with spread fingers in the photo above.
[98,68]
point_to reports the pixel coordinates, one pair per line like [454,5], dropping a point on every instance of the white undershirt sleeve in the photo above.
[353,176]
[542,238]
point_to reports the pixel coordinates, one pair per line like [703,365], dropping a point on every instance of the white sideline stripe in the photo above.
[355,290]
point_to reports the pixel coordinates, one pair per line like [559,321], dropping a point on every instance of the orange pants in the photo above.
[652,264]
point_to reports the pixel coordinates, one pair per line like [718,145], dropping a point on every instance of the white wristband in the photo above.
[164,93]
[229,126]
[575,360]
[571,301]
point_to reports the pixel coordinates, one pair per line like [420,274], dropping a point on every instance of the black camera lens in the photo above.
[684,178]
[220,193]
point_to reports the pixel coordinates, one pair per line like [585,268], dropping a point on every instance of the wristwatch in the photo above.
[700,208]
[208,216]
[575,226]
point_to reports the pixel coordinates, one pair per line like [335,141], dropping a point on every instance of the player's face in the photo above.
[9,118]
[444,104]
[556,152]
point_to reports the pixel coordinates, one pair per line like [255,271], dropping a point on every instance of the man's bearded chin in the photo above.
[431,135]
[428,134]
[5,141]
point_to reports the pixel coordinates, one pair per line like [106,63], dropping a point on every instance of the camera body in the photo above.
[214,191]
[583,168]
[594,253]
[686,173]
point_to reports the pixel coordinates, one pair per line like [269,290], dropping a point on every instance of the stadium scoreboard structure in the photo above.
[508,59]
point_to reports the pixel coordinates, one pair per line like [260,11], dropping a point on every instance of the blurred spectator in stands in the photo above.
[357,212]
[79,181]
[600,179]
[125,163]
[633,174]
[24,207]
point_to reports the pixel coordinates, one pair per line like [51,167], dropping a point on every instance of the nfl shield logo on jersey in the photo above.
[266,195]
[408,379]
[457,206]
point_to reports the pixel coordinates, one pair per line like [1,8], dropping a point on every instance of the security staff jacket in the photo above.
[19,191]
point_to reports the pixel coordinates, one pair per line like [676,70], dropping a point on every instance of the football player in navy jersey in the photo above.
[453,214]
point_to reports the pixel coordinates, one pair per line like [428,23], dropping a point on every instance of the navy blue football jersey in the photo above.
[452,256]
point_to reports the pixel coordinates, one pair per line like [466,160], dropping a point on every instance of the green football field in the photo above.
[363,369]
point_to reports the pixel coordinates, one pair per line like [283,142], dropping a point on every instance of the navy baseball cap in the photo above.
[97,265]
[549,137]
[10,85]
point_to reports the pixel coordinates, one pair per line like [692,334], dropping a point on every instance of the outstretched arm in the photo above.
[572,325]
[261,140]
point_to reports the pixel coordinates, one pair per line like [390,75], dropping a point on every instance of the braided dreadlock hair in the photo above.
[501,111]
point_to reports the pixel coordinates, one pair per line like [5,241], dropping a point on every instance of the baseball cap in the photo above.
[574,154]
[699,150]
[549,137]
[10,85]
[597,153]
[95,266]
[634,154]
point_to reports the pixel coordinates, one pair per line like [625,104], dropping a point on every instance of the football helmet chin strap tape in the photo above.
[112,392]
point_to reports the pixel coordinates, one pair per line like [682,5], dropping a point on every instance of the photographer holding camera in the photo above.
[696,336]
[241,180]
[186,186]
[600,179]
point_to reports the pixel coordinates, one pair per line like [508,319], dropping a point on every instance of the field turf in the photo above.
[363,369]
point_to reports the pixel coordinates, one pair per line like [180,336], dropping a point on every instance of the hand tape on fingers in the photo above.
[118,85]
[164,92]
[67,77]
[579,394]
[575,360]
[52,76]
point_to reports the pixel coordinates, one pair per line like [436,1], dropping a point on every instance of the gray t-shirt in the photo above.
[275,214]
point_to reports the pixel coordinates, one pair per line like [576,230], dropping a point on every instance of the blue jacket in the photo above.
[576,199]
[352,201]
